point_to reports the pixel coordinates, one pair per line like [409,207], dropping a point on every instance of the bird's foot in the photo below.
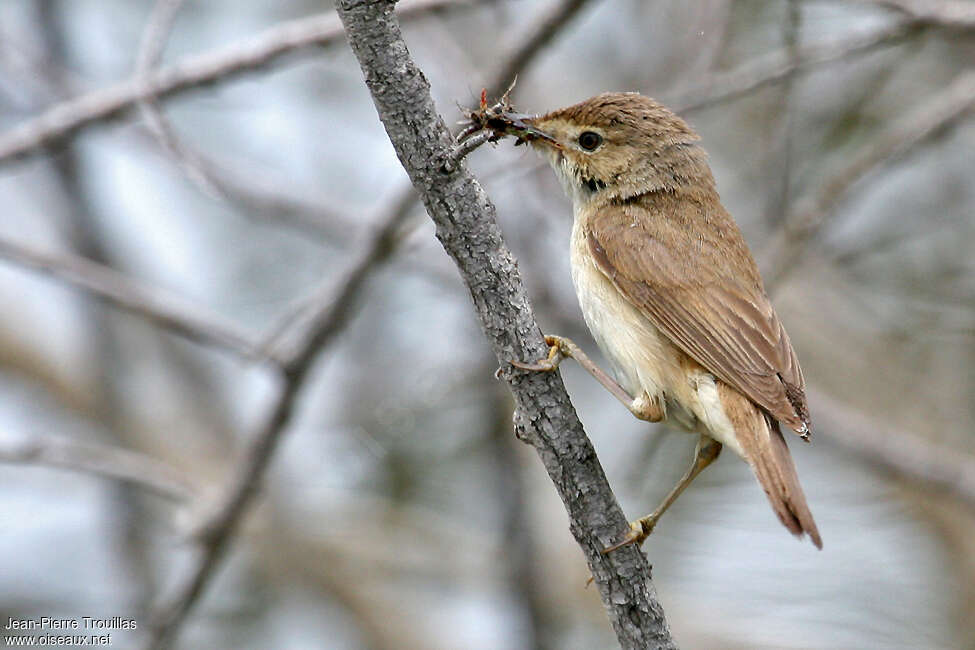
[558,348]
[638,533]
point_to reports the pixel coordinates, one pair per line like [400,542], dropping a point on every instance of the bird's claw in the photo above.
[638,533]
[557,350]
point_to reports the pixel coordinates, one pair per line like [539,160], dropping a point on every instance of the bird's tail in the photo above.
[766,452]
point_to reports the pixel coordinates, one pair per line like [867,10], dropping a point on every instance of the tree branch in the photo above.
[468,230]
[104,104]
[331,312]
[93,458]
[166,311]
[151,48]
[540,34]
[903,453]
[782,65]
[809,217]
[943,13]
[770,69]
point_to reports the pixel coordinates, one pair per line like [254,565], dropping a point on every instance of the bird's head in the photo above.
[615,145]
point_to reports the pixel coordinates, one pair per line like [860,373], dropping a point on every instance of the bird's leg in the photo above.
[643,406]
[706,452]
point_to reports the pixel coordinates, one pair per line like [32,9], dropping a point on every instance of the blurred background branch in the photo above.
[95,458]
[902,453]
[191,73]
[938,113]
[944,13]
[328,317]
[152,304]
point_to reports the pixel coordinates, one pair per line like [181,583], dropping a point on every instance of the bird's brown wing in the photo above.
[685,285]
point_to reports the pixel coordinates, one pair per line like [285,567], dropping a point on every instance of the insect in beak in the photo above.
[519,125]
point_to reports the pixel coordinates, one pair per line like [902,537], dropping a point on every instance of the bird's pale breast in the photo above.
[643,359]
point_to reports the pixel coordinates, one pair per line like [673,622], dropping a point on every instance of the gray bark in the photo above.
[467,228]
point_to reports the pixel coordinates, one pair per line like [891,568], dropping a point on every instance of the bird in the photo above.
[671,293]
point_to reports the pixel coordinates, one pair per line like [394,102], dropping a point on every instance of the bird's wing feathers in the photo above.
[724,323]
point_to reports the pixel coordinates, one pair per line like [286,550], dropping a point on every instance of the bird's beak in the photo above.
[522,127]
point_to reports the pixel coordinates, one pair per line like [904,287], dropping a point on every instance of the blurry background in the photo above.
[398,510]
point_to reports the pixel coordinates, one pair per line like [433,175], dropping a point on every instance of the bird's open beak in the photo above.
[521,127]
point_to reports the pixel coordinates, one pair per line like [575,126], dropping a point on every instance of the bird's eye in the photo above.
[589,140]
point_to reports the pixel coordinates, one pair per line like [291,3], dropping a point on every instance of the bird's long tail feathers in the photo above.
[766,451]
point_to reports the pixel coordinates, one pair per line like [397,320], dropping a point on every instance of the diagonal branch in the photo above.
[546,28]
[331,312]
[810,217]
[94,458]
[151,48]
[168,312]
[778,66]
[65,118]
[953,14]
[903,453]
[468,230]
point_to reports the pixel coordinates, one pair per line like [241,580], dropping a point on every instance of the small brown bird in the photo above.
[671,293]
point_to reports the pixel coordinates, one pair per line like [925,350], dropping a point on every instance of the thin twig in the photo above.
[193,72]
[726,86]
[534,41]
[94,458]
[537,37]
[466,146]
[150,52]
[811,216]
[169,312]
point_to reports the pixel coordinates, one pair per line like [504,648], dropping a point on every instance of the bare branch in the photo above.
[944,13]
[193,72]
[193,322]
[903,453]
[94,458]
[153,43]
[538,37]
[465,147]
[331,312]
[251,190]
[154,38]
[811,216]
[467,228]
[771,69]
